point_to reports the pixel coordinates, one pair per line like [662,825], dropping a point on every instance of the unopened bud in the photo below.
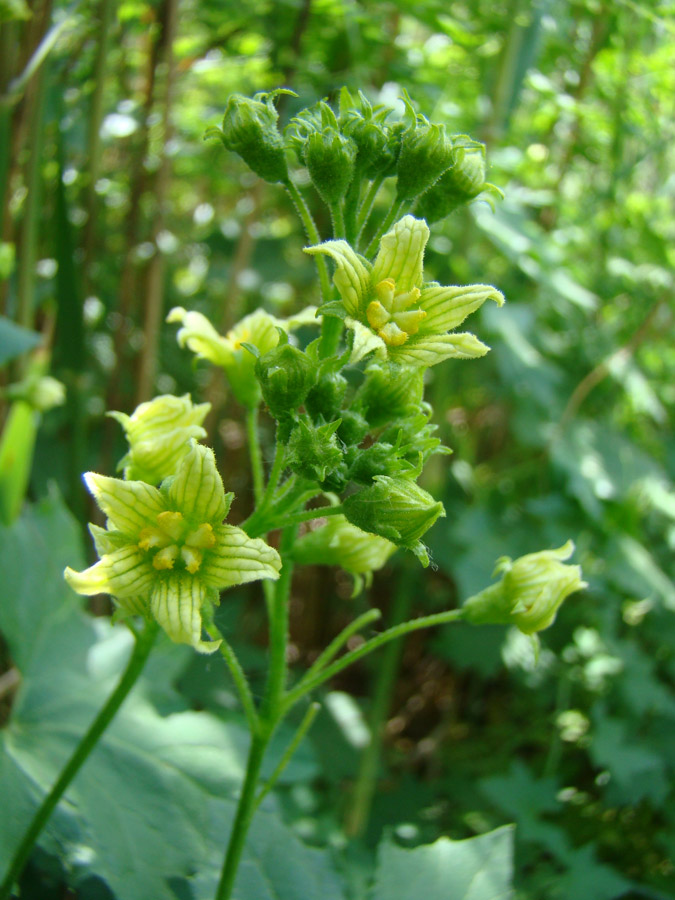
[250,130]
[458,185]
[529,593]
[285,375]
[326,396]
[426,152]
[390,392]
[396,509]
[329,157]
[314,453]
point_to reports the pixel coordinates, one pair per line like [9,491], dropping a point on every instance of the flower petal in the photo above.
[447,307]
[365,341]
[351,276]
[197,490]
[126,572]
[237,559]
[199,335]
[176,604]
[401,254]
[129,505]
[431,349]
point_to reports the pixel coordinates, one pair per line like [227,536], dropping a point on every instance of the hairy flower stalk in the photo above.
[166,553]
[393,312]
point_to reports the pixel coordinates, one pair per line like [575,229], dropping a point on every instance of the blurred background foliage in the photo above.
[114,210]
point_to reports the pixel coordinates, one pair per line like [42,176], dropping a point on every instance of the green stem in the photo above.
[338,220]
[340,640]
[139,656]
[309,514]
[242,820]
[271,714]
[386,223]
[366,780]
[303,728]
[308,684]
[276,680]
[313,236]
[255,454]
[367,208]
[239,678]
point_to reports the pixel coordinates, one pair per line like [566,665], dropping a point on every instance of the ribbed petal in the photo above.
[176,604]
[130,572]
[237,559]
[129,505]
[197,490]
[365,341]
[447,307]
[351,276]
[401,254]
[430,349]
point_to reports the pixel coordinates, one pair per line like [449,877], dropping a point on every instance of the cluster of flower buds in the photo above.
[359,141]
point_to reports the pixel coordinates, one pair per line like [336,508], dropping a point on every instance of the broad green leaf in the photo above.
[478,868]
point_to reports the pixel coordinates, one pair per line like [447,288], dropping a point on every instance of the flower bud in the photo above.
[314,453]
[338,543]
[326,396]
[353,427]
[250,130]
[458,185]
[396,509]
[285,375]
[380,459]
[307,122]
[159,433]
[529,593]
[426,152]
[329,157]
[390,392]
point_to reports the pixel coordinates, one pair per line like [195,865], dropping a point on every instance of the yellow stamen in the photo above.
[410,321]
[385,291]
[403,301]
[166,557]
[152,537]
[172,523]
[201,537]
[391,334]
[192,559]
[377,315]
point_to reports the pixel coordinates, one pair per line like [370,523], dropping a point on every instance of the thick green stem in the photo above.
[255,454]
[276,680]
[308,683]
[139,656]
[242,820]
[338,220]
[313,236]
[385,225]
[271,714]
[387,669]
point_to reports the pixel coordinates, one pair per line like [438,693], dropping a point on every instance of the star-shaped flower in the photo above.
[166,552]
[393,312]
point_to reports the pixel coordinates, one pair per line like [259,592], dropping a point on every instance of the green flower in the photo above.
[259,329]
[393,312]
[529,593]
[159,434]
[165,551]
